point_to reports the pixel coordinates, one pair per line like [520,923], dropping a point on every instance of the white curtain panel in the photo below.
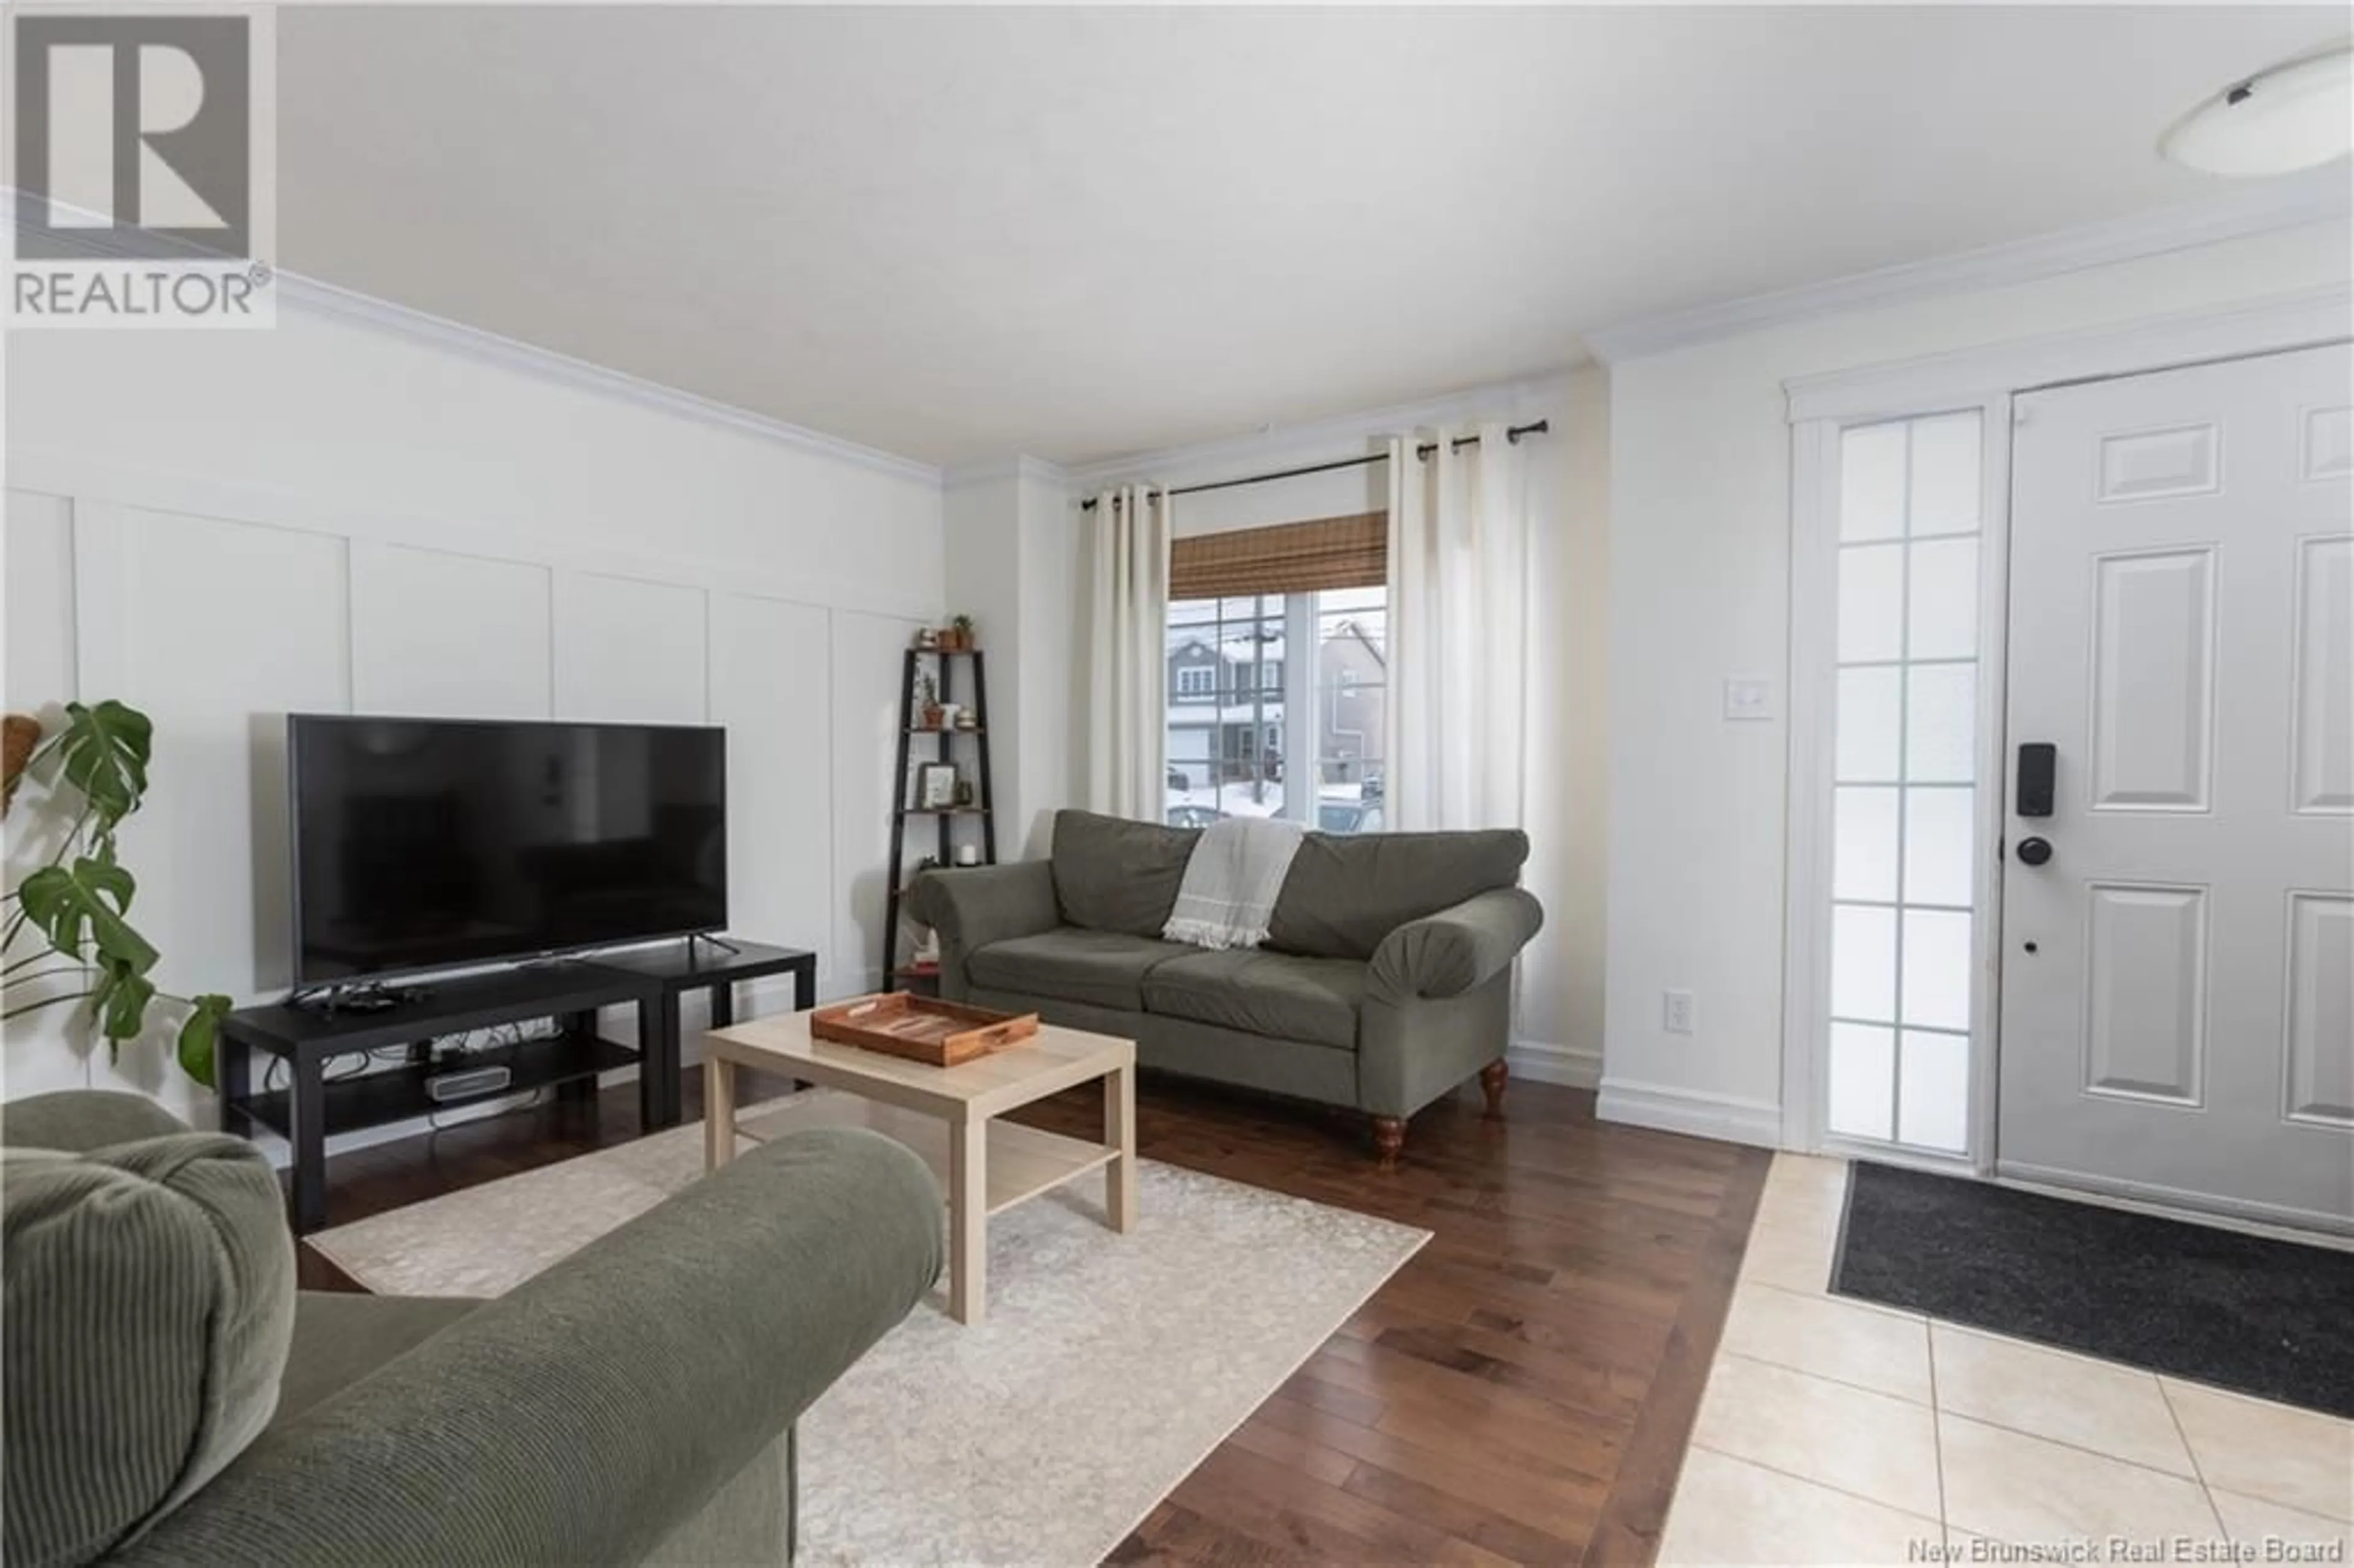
[1459,553]
[1127,737]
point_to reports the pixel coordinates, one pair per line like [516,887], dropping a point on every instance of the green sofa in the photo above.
[171,1398]
[1386,981]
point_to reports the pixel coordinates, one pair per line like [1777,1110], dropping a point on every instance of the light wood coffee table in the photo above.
[947,1115]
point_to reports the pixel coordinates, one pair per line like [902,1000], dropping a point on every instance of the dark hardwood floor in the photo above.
[1522,1391]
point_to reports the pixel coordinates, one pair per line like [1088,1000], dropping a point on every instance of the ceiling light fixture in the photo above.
[2293,116]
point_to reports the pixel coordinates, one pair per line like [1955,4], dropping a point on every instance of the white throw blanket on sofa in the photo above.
[1232,879]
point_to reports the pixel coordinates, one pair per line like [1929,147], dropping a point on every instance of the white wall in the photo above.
[1012,542]
[224,527]
[1699,554]
[1561,974]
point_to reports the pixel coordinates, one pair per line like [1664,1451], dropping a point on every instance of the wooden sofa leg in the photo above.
[1389,1137]
[1491,1084]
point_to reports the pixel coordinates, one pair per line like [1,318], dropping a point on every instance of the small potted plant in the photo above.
[928,701]
[960,627]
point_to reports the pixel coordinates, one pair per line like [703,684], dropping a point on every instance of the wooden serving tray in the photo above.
[920,1028]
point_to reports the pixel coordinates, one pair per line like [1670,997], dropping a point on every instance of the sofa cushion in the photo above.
[1106,968]
[1113,874]
[149,1303]
[1278,995]
[1347,891]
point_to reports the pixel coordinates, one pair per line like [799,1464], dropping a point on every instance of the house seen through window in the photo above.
[1276,707]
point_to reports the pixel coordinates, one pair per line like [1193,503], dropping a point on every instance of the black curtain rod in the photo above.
[1424,451]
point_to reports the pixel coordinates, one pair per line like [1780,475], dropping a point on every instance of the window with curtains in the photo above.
[1278,669]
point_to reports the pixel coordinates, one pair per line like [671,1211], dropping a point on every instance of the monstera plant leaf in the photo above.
[104,751]
[197,1035]
[80,908]
[81,902]
[120,999]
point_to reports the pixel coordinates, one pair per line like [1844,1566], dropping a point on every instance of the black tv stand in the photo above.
[722,943]
[564,1054]
[566,1051]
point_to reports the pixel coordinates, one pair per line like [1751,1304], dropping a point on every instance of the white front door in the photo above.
[2177,975]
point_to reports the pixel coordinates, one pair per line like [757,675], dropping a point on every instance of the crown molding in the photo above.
[2315,196]
[1311,437]
[329,300]
[992,470]
[2271,324]
[548,364]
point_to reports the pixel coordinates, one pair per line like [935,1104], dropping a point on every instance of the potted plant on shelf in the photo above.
[928,701]
[77,905]
[961,628]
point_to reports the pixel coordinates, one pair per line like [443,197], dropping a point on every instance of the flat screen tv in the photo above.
[435,843]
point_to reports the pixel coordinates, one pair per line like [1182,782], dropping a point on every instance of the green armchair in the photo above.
[633,1404]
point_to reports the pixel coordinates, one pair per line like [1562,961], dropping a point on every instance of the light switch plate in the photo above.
[1748,697]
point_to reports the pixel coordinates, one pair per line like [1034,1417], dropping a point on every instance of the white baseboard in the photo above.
[1726,1117]
[1572,1066]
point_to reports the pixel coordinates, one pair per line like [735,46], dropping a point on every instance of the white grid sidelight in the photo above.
[1903,781]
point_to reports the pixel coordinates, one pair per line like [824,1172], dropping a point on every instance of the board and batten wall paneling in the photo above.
[497,561]
[771,686]
[37,566]
[218,631]
[436,634]
[867,651]
[629,652]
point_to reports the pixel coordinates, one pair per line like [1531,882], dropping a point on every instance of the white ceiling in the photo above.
[959,234]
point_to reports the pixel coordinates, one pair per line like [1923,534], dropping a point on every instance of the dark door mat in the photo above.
[2273,1318]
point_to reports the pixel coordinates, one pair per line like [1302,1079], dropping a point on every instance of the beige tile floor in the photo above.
[1834,1432]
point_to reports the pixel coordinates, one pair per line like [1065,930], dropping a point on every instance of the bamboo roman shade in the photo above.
[1290,557]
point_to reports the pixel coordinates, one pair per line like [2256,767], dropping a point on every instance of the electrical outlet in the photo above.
[1676,1010]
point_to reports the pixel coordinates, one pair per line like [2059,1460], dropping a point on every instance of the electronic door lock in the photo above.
[2039,760]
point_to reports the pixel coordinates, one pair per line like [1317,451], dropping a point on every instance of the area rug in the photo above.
[1108,1367]
[2264,1316]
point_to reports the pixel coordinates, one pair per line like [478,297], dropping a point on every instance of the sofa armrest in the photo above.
[588,1414]
[78,1121]
[972,907]
[1450,952]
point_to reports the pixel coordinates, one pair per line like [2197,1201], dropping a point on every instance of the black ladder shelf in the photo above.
[900,971]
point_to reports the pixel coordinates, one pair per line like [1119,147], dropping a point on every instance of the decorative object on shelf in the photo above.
[927,951]
[950,714]
[927,701]
[968,855]
[76,904]
[927,639]
[935,786]
[964,791]
[960,627]
[966,721]
[941,1033]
